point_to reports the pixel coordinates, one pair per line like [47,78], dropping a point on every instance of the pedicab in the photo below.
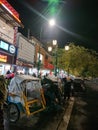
[25,96]
[52,92]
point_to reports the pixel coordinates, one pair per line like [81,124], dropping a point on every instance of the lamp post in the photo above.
[56,60]
[51,23]
[67,48]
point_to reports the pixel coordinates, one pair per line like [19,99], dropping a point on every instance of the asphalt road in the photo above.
[85,111]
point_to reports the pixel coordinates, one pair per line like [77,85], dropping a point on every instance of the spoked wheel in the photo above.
[13,112]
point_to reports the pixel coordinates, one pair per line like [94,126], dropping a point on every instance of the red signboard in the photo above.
[7,6]
[48,66]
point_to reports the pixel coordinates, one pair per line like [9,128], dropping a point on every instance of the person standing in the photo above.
[67,88]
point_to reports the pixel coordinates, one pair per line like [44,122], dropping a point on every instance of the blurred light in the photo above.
[54,42]
[52,22]
[7,9]
[49,48]
[66,48]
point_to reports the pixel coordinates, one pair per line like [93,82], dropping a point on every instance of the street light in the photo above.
[56,48]
[51,23]
[56,60]
[67,48]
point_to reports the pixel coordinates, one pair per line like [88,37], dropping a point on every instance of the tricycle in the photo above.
[25,96]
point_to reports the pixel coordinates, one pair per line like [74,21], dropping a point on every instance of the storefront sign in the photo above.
[12,49]
[3,58]
[48,66]
[10,9]
[4,45]
[7,47]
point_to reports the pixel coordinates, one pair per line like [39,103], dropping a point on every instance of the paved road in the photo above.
[85,111]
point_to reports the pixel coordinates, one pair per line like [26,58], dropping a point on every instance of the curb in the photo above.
[66,117]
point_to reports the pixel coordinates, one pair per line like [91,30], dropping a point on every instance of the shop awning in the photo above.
[22,62]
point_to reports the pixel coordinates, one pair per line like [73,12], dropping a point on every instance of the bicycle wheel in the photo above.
[13,112]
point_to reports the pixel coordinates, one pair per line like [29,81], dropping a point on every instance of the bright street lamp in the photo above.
[54,42]
[49,48]
[52,22]
[67,48]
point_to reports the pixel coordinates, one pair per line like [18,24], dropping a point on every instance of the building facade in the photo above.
[25,54]
[9,23]
[43,60]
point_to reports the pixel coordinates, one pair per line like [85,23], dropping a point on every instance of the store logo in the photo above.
[12,49]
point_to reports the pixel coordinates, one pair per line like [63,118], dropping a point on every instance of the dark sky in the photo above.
[76,20]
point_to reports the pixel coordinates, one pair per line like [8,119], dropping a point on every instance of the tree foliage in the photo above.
[78,61]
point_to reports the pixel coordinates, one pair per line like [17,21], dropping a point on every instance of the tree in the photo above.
[78,60]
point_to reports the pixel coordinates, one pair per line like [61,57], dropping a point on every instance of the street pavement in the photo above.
[44,121]
[80,113]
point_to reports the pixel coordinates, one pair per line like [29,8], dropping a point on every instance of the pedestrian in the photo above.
[67,88]
[3,95]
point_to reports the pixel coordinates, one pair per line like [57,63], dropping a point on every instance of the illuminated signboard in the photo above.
[10,9]
[4,45]
[3,58]
[7,47]
[12,49]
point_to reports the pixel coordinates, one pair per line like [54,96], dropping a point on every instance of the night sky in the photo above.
[76,20]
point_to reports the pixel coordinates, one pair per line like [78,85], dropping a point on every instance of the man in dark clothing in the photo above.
[67,88]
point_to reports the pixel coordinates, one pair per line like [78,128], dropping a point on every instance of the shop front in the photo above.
[48,67]
[7,57]
[23,66]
